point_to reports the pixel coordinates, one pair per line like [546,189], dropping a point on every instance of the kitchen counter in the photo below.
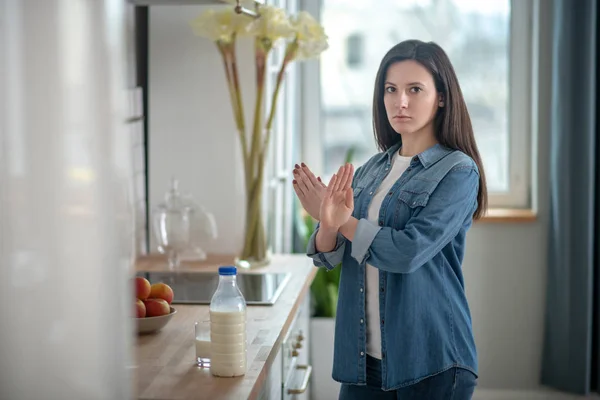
[165,367]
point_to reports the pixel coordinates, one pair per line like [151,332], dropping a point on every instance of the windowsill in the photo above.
[509,215]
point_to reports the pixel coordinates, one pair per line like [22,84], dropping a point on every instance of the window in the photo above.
[490,46]
[354,50]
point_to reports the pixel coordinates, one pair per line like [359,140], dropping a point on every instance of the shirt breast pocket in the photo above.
[408,205]
[356,212]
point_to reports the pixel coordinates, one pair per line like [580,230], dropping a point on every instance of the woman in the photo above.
[398,225]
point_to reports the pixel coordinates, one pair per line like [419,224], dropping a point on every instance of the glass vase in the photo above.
[256,251]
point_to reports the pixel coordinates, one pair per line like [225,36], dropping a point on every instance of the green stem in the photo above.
[265,144]
[228,57]
[258,107]
[239,102]
[290,54]
[254,211]
[255,242]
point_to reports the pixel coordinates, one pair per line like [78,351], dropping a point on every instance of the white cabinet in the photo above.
[297,369]
[272,387]
[290,373]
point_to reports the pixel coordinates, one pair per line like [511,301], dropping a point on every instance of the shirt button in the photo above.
[362,321]
[390,193]
[362,353]
[370,192]
[361,290]
[380,223]
[382,322]
[382,289]
[414,203]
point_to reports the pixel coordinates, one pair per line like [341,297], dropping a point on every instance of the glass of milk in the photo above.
[202,331]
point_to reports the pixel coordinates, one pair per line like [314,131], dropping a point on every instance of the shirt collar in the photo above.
[427,157]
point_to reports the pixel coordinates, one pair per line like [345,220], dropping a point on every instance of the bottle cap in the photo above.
[227,270]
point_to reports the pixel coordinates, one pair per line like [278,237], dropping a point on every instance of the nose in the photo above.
[402,100]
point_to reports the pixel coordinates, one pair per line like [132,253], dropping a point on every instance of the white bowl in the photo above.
[153,324]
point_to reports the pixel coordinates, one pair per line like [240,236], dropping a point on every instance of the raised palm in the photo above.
[309,189]
[338,202]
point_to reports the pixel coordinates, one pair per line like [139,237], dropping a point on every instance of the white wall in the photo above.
[192,136]
[505,267]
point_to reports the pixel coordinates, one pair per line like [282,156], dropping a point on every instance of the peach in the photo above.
[161,291]
[142,288]
[140,309]
[156,307]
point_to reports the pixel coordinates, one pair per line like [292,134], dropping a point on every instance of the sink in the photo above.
[198,287]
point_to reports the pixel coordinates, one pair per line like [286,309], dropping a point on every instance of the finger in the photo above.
[330,188]
[346,177]
[307,188]
[301,176]
[321,182]
[351,175]
[338,182]
[296,183]
[349,198]
[297,189]
[310,175]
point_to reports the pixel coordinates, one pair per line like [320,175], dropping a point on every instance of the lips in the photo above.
[402,117]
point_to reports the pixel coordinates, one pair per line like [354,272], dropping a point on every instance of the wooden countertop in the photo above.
[165,366]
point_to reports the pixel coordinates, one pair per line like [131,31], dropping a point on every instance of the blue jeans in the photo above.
[452,384]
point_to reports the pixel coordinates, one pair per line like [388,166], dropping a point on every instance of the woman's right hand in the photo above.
[309,189]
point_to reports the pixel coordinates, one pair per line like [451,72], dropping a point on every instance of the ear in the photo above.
[440,100]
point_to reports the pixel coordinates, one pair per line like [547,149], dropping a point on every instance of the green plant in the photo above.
[325,286]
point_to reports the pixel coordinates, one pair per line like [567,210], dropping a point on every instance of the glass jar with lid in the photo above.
[171,223]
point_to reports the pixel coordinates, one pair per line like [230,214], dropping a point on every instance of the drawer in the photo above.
[295,351]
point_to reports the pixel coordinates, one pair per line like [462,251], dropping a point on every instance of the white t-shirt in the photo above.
[399,165]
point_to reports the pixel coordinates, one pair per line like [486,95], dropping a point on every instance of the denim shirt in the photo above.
[418,247]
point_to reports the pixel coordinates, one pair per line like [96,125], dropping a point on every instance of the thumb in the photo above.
[349,198]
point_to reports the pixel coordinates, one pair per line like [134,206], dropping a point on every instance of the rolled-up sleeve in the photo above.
[425,234]
[328,259]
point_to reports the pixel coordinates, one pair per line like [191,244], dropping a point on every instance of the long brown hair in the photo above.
[452,123]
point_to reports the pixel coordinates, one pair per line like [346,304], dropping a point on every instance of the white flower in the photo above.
[272,25]
[310,36]
[221,25]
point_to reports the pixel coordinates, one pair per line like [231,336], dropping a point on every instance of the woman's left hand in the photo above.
[338,203]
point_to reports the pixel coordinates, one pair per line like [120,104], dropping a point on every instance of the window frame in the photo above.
[521,105]
[278,209]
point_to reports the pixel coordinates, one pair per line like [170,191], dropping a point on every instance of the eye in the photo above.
[390,89]
[415,89]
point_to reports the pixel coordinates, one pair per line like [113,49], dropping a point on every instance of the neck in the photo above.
[417,142]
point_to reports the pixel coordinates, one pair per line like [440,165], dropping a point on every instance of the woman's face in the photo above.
[410,97]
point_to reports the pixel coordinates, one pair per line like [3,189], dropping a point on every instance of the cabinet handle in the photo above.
[304,385]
